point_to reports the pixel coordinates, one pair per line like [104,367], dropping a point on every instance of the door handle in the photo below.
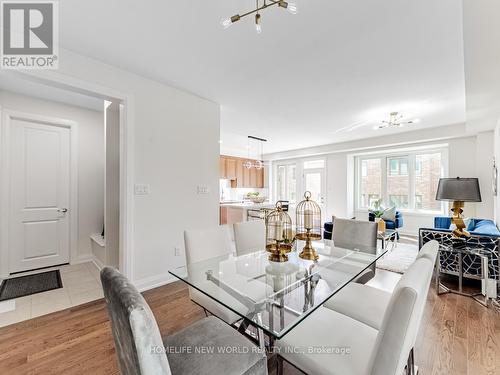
[63,210]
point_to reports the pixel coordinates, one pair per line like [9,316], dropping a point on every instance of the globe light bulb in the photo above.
[292,8]
[258,27]
[226,22]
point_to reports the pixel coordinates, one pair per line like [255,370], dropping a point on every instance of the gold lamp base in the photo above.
[308,252]
[457,219]
[278,252]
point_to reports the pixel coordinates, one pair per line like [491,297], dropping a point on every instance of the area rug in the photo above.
[30,284]
[398,259]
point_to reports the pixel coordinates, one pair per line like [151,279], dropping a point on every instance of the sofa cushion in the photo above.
[484,226]
[442,222]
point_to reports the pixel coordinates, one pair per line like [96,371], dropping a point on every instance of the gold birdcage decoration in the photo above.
[279,234]
[308,225]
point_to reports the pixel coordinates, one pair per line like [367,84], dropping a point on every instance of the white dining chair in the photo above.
[330,342]
[202,245]
[249,236]
[353,298]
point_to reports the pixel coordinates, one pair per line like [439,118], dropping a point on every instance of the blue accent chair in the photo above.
[389,224]
[327,230]
[484,234]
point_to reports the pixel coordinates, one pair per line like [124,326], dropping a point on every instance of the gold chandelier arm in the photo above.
[272,3]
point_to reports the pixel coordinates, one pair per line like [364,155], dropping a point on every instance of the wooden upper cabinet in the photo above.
[246,177]
[260,178]
[253,177]
[233,168]
[222,167]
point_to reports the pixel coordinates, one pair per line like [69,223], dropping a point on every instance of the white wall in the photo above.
[484,163]
[497,158]
[175,148]
[468,156]
[90,159]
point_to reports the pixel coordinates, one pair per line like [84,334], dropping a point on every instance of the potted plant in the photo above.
[378,212]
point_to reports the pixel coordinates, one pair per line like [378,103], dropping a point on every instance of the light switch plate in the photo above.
[141,189]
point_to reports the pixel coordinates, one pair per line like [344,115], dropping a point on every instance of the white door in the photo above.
[314,181]
[39,195]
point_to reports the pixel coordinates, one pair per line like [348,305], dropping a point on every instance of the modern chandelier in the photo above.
[259,6]
[395,121]
[259,163]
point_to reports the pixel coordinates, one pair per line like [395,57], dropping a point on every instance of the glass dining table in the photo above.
[276,297]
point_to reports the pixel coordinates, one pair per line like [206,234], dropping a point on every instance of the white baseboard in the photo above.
[6,306]
[100,265]
[154,282]
[82,259]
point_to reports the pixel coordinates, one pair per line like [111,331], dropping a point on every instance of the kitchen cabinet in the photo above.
[253,177]
[222,167]
[232,168]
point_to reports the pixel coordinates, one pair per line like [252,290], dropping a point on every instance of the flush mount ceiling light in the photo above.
[259,6]
[395,121]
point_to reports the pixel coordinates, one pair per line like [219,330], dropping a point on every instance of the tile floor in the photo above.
[81,284]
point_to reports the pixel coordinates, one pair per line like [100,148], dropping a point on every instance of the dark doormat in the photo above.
[30,284]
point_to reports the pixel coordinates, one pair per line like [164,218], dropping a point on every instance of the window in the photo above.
[427,179]
[287,183]
[398,166]
[398,182]
[314,164]
[407,181]
[371,181]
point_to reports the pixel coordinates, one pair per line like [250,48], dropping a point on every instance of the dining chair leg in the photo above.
[279,365]
[410,364]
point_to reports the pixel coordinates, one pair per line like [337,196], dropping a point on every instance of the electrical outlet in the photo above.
[177,251]
[202,189]
[141,189]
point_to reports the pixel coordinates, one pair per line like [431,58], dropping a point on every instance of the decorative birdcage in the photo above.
[308,225]
[279,234]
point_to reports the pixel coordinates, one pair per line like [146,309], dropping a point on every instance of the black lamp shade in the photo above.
[458,189]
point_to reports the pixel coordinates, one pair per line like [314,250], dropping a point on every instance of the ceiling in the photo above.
[327,74]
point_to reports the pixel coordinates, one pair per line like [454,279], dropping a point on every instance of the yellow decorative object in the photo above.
[278,234]
[308,215]
[381,225]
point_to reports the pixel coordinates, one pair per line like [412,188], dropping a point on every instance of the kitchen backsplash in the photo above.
[235,194]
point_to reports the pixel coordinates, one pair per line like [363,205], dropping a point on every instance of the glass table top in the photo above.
[386,234]
[277,296]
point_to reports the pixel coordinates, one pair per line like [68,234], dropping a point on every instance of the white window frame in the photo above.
[384,157]
[299,175]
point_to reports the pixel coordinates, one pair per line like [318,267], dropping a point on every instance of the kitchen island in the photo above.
[236,212]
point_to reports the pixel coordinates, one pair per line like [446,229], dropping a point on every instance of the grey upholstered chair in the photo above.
[141,349]
[356,234]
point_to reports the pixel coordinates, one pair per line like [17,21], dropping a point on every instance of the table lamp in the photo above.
[458,190]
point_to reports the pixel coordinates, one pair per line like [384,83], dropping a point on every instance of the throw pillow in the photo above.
[389,214]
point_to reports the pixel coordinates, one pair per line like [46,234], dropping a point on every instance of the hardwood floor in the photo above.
[457,336]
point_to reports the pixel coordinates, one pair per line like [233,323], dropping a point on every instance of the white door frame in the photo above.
[5,127]
[56,79]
